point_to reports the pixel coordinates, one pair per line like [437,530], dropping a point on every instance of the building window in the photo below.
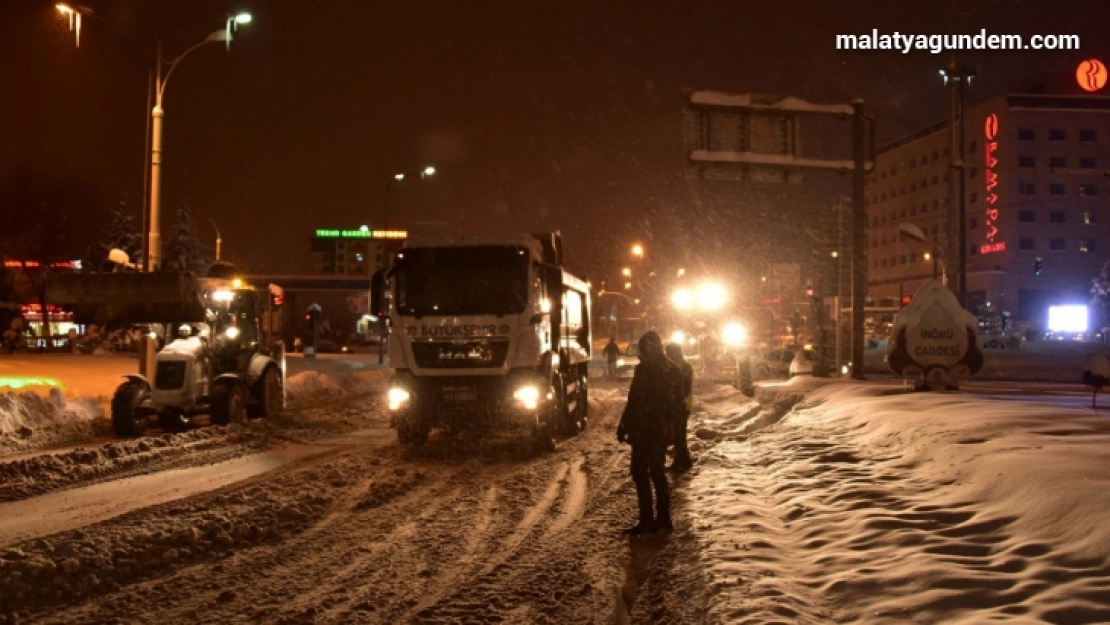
[1056,189]
[1087,190]
[936,204]
[1026,217]
[1026,244]
[1057,217]
[1057,244]
[893,171]
[1087,162]
[1087,245]
[1027,188]
[974,145]
[924,183]
[936,180]
[913,163]
[882,175]
[1088,218]
[973,198]
[1025,134]
[973,172]
[974,249]
[1057,162]
[1025,161]
[902,214]
[902,190]
[936,156]
[935,228]
[913,210]
[358,258]
[1057,134]
[946,176]
[1088,135]
[974,225]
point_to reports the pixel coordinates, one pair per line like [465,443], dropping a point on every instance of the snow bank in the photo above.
[29,420]
[867,503]
[309,386]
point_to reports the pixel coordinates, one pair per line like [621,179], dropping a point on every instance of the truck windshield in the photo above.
[477,280]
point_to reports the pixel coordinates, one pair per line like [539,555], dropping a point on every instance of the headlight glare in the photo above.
[232,332]
[397,397]
[528,396]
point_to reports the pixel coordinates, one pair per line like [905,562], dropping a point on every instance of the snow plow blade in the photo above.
[114,298]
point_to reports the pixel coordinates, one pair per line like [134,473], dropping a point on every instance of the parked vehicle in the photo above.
[776,364]
[626,362]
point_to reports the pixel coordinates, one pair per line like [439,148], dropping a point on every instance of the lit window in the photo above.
[1088,218]
[1087,245]
[1087,190]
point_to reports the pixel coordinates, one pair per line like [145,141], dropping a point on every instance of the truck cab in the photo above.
[484,334]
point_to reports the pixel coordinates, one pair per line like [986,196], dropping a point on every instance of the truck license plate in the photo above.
[461,396]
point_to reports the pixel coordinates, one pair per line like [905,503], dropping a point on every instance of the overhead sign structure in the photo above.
[1091,75]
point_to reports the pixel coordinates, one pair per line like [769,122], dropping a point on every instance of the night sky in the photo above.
[539,115]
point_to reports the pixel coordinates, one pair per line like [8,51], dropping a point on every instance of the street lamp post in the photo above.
[74,13]
[427,172]
[219,239]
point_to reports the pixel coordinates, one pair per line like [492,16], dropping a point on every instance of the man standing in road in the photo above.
[682,459]
[612,351]
[647,424]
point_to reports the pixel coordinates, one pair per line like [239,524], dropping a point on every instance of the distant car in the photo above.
[325,346]
[627,361]
[779,363]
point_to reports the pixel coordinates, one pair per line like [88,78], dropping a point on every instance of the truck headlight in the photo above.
[620,362]
[528,396]
[232,332]
[397,397]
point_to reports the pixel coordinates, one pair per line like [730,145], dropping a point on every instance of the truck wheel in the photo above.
[412,432]
[229,405]
[582,403]
[269,395]
[127,420]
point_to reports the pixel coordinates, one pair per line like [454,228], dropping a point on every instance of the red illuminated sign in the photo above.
[1091,75]
[990,132]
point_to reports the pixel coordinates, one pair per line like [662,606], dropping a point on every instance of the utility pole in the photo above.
[956,77]
[859,234]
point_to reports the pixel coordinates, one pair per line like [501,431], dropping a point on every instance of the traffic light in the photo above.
[1038,266]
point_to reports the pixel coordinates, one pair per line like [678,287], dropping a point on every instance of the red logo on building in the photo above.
[990,132]
[1091,75]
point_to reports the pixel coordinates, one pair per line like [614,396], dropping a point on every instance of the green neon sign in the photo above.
[344,234]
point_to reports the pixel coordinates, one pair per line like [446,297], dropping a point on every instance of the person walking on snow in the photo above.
[682,459]
[612,351]
[654,403]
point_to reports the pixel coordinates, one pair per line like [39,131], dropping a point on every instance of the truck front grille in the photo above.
[169,376]
[460,355]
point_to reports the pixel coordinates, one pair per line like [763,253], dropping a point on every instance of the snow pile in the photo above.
[867,503]
[309,386]
[36,475]
[29,420]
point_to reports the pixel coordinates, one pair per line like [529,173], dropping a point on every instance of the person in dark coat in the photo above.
[612,353]
[682,459]
[648,425]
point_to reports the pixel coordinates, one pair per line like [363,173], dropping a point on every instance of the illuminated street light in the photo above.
[928,256]
[638,250]
[398,177]
[834,253]
[626,272]
[428,171]
[243,18]
[711,296]
[734,334]
[678,336]
[683,299]
[627,285]
[681,272]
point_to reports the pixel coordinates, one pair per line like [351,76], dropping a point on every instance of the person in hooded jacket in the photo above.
[654,406]
[682,459]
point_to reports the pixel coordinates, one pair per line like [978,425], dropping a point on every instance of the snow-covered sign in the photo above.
[935,339]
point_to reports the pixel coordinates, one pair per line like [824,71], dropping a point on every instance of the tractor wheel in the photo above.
[270,398]
[229,404]
[127,420]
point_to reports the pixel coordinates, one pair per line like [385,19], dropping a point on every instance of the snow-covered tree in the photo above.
[121,234]
[184,250]
[1100,298]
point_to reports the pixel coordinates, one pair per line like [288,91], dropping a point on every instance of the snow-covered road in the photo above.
[863,503]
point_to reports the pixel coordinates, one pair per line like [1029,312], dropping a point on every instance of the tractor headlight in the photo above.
[397,397]
[528,396]
[232,332]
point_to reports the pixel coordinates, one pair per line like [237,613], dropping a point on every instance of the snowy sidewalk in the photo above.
[869,504]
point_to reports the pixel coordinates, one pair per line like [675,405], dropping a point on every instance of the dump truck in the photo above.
[485,333]
[216,361]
